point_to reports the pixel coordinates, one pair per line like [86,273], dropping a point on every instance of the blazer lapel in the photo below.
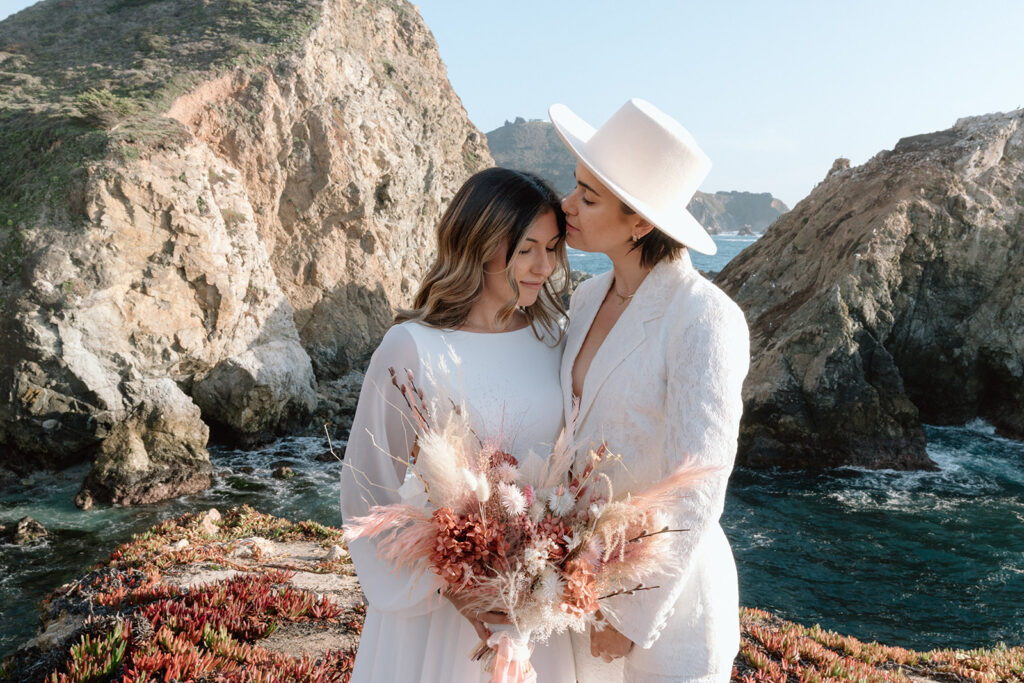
[629,332]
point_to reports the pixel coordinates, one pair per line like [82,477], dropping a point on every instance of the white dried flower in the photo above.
[512,499]
[560,501]
[535,557]
[477,484]
[483,489]
[470,478]
[537,510]
[505,472]
[551,586]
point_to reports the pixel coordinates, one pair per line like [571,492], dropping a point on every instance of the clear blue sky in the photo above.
[773,91]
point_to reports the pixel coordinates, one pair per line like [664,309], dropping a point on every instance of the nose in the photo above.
[569,201]
[545,264]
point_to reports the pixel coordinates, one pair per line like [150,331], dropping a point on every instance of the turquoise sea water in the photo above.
[729,245]
[921,560]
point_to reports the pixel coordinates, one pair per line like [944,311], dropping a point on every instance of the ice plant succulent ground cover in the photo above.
[236,598]
[772,649]
[525,537]
[777,651]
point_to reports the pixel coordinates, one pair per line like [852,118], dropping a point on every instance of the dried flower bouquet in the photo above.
[527,537]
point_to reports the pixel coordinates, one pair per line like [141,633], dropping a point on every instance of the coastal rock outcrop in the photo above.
[156,451]
[26,530]
[893,294]
[207,208]
[535,146]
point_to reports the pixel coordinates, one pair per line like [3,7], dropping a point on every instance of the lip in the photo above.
[569,227]
[532,285]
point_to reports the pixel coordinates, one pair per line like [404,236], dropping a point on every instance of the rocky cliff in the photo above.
[893,294]
[535,146]
[745,212]
[206,208]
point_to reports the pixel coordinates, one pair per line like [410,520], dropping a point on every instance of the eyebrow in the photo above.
[587,187]
[530,239]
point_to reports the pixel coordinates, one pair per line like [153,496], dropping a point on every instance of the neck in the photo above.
[483,317]
[628,271]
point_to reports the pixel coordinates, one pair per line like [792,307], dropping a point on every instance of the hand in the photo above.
[609,644]
[478,620]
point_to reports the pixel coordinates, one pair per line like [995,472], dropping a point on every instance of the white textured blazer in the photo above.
[664,389]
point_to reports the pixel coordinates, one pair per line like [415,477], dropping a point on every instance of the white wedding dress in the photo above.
[510,383]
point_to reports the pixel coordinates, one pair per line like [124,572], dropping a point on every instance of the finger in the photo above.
[607,659]
[480,629]
[493,618]
[595,651]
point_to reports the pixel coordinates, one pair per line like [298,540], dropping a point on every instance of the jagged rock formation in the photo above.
[206,206]
[535,146]
[745,212]
[893,294]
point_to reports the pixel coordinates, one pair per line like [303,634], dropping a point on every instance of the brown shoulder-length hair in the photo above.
[495,207]
[655,246]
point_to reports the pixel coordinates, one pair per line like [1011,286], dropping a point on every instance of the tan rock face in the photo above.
[348,153]
[891,295]
[263,235]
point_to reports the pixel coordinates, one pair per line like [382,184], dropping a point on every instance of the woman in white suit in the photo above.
[655,355]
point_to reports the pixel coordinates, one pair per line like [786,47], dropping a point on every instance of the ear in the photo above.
[641,226]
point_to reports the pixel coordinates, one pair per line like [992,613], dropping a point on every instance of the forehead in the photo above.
[544,228]
[585,177]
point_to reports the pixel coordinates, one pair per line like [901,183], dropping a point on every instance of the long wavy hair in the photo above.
[494,205]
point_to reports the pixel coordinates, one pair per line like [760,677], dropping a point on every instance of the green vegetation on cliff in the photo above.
[81,80]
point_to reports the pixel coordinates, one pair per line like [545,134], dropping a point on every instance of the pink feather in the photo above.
[673,487]
[562,453]
[411,544]
[383,518]
[407,533]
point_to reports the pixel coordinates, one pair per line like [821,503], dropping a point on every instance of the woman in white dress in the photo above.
[485,327]
[657,355]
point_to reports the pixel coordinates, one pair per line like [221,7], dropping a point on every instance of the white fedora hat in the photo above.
[648,160]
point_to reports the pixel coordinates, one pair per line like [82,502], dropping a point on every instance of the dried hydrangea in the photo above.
[580,595]
[468,547]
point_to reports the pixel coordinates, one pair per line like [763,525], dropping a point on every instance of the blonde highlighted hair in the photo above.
[494,205]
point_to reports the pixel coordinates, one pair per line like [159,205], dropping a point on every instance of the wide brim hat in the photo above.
[648,160]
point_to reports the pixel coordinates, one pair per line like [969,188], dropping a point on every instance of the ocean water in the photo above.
[729,244]
[920,559]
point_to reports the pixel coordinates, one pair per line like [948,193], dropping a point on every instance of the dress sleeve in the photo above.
[379,445]
[707,360]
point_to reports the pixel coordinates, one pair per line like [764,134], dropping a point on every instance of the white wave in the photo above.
[980,426]
[905,501]
[758,540]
